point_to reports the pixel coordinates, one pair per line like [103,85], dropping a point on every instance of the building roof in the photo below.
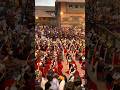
[40,13]
[82,1]
[45,8]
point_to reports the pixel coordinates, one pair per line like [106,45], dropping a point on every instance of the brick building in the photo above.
[70,12]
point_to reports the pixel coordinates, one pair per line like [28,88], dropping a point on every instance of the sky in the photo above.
[44,2]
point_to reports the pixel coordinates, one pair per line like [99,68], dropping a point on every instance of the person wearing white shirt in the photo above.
[62,83]
[43,82]
[54,84]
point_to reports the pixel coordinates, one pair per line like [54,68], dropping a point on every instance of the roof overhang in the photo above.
[80,1]
[39,13]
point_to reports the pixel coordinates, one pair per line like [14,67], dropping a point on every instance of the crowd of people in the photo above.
[103,55]
[16,37]
[103,41]
[20,70]
[32,57]
[55,46]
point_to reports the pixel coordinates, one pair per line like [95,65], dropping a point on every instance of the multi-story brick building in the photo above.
[70,12]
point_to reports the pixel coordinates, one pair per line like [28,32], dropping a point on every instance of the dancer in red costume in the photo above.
[60,67]
[116,58]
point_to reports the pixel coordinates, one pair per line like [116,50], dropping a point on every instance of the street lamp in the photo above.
[36,18]
[61,13]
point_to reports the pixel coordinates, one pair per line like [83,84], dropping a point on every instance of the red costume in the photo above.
[60,67]
[116,58]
